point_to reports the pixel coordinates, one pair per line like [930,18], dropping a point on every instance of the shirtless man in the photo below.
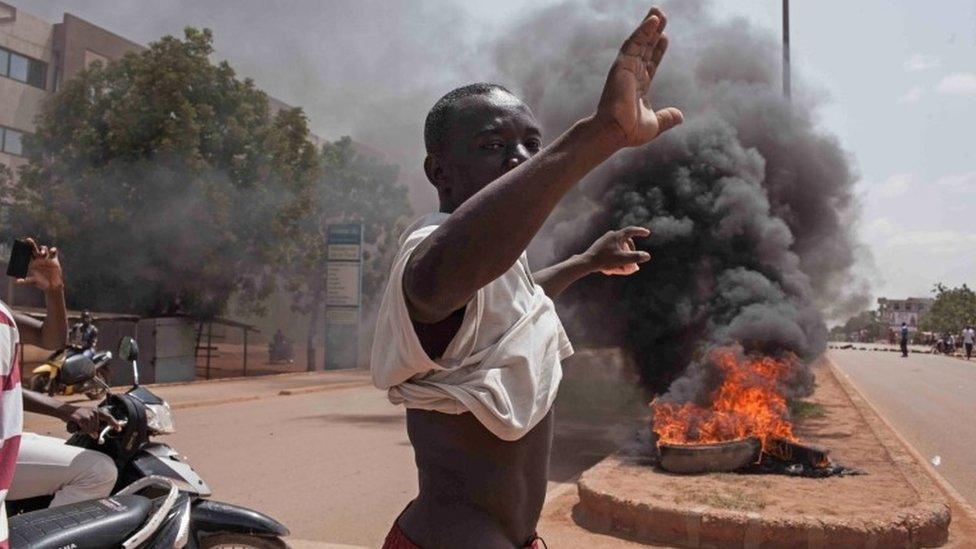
[467,338]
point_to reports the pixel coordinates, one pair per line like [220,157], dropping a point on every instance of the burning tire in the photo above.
[709,458]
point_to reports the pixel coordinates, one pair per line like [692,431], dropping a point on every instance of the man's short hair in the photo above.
[439,118]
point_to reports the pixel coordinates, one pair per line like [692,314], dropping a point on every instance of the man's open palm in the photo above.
[623,103]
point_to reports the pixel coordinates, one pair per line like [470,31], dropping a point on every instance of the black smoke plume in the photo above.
[750,204]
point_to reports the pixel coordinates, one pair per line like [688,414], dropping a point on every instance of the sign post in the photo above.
[343,295]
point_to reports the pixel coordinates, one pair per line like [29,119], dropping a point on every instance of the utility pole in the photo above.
[786,49]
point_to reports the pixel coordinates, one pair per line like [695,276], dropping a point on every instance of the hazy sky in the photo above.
[899,78]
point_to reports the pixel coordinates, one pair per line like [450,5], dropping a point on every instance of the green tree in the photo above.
[353,187]
[869,321]
[166,181]
[953,310]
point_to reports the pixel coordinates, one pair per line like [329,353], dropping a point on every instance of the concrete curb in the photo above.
[213,402]
[310,544]
[323,388]
[868,410]
[925,524]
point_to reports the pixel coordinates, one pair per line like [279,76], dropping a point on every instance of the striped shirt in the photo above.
[11,409]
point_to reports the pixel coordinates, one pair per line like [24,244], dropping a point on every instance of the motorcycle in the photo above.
[153,477]
[47,377]
[281,352]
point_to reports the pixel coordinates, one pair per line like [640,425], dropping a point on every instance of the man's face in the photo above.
[488,135]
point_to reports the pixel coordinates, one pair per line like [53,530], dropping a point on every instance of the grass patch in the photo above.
[802,409]
[736,500]
[733,499]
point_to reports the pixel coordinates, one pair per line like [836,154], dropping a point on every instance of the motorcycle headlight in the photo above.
[159,419]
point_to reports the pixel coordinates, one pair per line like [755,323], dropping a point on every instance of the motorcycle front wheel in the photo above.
[241,541]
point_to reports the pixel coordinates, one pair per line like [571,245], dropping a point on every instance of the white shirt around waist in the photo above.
[504,363]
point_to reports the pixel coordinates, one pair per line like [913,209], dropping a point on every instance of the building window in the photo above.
[37,75]
[23,69]
[11,141]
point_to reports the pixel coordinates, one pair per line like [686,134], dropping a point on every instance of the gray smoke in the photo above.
[749,203]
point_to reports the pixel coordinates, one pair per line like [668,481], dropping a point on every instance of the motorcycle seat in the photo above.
[88,524]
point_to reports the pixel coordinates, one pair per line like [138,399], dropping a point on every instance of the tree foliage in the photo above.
[352,187]
[953,310]
[167,182]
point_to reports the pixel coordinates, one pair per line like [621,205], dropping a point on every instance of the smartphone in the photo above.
[20,258]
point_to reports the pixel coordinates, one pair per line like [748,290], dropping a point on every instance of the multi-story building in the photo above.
[36,56]
[910,311]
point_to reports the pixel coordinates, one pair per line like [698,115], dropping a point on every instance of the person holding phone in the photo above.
[467,337]
[33,465]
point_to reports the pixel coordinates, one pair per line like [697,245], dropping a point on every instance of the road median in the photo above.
[896,504]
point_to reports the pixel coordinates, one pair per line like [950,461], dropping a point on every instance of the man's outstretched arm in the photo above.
[88,419]
[485,236]
[614,253]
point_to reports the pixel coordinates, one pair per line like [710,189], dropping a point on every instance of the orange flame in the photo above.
[748,403]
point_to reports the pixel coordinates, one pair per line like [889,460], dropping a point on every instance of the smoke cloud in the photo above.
[749,203]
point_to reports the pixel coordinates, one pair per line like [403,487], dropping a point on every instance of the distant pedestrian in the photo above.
[968,337]
[904,339]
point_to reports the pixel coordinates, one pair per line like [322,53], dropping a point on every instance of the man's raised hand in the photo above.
[44,269]
[623,108]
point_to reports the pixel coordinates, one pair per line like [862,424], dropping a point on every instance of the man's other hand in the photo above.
[624,109]
[44,270]
[615,253]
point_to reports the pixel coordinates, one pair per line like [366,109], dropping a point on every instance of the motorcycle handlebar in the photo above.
[75,428]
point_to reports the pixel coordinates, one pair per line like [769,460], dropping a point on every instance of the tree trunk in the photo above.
[313,330]
[196,348]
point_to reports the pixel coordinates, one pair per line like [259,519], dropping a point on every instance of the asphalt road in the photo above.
[930,400]
[331,461]
[332,465]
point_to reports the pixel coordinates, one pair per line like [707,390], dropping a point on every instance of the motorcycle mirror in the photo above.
[128,349]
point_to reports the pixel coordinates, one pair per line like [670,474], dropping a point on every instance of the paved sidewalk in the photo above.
[225,391]
[213,391]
